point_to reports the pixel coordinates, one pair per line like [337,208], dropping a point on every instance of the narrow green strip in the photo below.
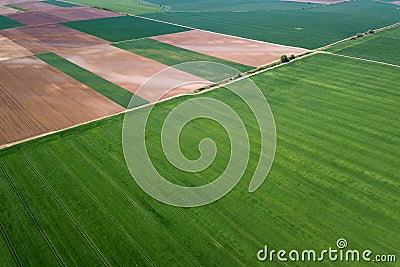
[58,3]
[117,94]
[172,55]
[17,8]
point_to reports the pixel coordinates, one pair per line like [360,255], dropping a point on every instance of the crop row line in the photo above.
[33,218]
[104,210]
[65,209]
[10,246]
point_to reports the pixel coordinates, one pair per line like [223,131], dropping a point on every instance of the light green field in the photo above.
[132,7]
[306,26]
[69,198]
[382,46]
[17,8]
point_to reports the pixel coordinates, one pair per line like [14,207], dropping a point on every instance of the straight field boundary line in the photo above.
[351,37]
[358,58]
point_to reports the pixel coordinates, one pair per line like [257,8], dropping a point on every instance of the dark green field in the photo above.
[132,7]
[382,46]
[58,3]
[117,94]
[309,28]
[123,28]
[172,55]
[69,198]
[6,23]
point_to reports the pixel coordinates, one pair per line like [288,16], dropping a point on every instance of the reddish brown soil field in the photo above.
[34,6]
[327,2]
[35,98]
[9,49]
[50,38]
[235,49]
[35,18]
[395,2]
[130,71]
[81,13]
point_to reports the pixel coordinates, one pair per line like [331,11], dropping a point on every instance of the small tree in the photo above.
[284,59]
[292,57]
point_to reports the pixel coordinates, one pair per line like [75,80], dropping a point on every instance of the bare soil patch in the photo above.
[36,98]
[50,38]
[34,6]
[235,49]
[9,49]
[35,18]
[4,10]
[82,13]
[130,71]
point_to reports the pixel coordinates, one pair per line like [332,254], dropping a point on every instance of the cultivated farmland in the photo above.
[127,7]
[123,28]
[382,46]
[50,38]
[36,98]
[6,23]
[337,160]
[308,28]
[128,70]
[230,48]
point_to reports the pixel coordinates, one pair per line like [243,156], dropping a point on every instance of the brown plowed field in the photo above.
[82,13]
[130,71]
[235,49]
[36,98]
[34,6]
[60,15]
[35,18]
[50,38]
[9,49]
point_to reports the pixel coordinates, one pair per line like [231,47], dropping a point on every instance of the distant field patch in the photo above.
[172,55]
[58,3]
[132,7]
[123,28]
[16,8]
[321,26]
[323,2]
[4,10]
[231,48]
[50,37]
[383,46]
[102,86]
[6,23]
[34,6]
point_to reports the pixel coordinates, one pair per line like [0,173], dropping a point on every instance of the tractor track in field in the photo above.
[65,209]
[10,246]
[103,209]
[137,206]
[33,218]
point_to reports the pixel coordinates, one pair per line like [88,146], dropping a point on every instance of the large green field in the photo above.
[382,46]
[123,28]
[132,7]
[309,28]
[230,5]
[69,198]
[114,92]
[6,23]
[172,55]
